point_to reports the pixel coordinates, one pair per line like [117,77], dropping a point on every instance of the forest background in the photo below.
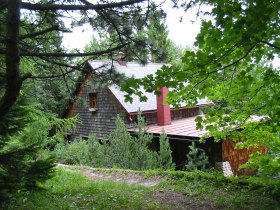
[231,64]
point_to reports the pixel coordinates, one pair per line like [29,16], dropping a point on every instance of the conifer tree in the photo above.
[120,146]
[160,47]
[197,160]
[165,153]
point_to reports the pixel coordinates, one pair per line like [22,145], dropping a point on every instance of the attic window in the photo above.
[92,101]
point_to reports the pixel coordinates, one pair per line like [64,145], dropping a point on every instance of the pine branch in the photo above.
[38,54]
[38,33]
[54,7]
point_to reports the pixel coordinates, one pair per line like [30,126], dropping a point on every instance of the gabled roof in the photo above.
[136,70]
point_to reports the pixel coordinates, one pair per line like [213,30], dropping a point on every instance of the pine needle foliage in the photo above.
[165,153]
[119,150]
[24,135]
[197,160]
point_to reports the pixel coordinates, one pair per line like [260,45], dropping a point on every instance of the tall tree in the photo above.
[30,34]
[232,66]
[160,47]
[30,50]
[151,41]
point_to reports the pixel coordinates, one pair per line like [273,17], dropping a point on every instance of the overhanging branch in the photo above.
[61,64]
[53,76]
[53,28]
[68,55]
[271,45]
[53,7]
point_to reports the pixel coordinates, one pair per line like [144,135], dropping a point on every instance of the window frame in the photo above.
[92,97]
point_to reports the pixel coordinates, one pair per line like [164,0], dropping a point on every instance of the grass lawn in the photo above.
[177,190]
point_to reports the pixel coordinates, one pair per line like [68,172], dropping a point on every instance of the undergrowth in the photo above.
[232,193]
[72,190]
[119,150]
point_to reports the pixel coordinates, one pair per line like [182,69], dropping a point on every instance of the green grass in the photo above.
[228,193]
[72,190]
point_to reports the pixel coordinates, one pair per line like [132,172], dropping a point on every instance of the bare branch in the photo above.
[44,7]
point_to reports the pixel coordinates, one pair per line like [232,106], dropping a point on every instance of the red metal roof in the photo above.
[184,127]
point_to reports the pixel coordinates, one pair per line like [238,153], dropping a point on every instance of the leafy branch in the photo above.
[271,45]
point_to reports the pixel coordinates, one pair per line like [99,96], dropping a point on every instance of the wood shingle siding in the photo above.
[236,157]
[102,121]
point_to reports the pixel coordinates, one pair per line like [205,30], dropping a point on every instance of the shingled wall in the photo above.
[237,157]
[100,122]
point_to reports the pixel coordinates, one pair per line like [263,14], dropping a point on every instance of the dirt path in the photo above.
[165,199]
[129,177]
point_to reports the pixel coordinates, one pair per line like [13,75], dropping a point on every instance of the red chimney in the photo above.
[163,110]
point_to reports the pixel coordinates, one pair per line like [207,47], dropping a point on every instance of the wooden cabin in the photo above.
[98,106]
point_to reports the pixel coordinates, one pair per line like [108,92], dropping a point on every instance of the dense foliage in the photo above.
[37,75]
[30,42]
[119,150]
[152,43]
[231,65]
[23,160]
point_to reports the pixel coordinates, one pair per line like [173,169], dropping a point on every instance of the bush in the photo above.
[98,154]
[74,153]
[165,157]
[197,160]
[121,150]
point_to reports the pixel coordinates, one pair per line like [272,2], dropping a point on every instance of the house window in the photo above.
[92,100]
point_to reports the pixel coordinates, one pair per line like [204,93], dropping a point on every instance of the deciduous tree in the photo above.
[231,64]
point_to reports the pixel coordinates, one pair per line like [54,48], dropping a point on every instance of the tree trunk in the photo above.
[13,79]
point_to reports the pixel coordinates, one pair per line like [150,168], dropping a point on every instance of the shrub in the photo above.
[197,160]
[74,153]
[165,157]
[121,150]
[98,154]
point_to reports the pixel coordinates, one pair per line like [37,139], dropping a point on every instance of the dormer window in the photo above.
[92,101]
